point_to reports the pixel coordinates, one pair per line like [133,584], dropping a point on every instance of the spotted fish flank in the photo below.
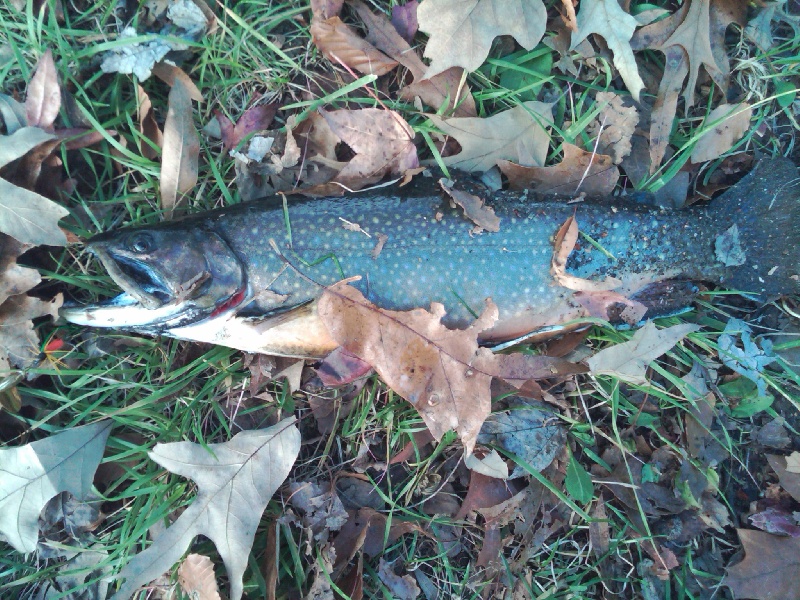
[247,276]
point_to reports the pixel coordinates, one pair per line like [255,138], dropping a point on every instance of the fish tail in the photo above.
[761,247]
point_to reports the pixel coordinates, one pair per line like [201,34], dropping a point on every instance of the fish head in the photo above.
[169,274]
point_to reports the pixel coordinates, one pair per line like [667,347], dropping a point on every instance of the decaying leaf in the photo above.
[729,123]
[483,216]
[404,19]
[519,135]
[461,31]
[440,371]
[579,171]
[43,99]
[382,140]
[340,44]
[607,19]
[630,359]
[256,118]
[564,243]
[235,481]
[614,126]
[321,507]
[32,474]
[196,578]
[401,587]
[769,570]
[179,159]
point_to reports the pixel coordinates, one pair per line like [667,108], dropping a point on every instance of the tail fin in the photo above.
[762,245]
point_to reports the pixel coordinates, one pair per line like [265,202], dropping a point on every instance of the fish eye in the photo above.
[140,243]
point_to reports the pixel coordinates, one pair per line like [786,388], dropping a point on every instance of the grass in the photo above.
[161,390]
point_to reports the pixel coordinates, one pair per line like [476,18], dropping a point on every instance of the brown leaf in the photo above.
[179,162]
[340,368]
[169,74]
[382,140]
[729,122]
[255,118]
[404,19]
[442,372]
[43,99]
[461,32]
[614,126]
[578,171]
[611,306]
[325,9]
[401,587]
[770,569]
[483,492]
[148,126]
[340,44]
[789,481]
[564,243]
[14,279]
[19,342]
[476,211]
[676,66]
[519,135]
[196,577]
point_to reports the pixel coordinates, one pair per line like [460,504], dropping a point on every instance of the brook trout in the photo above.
[248,276]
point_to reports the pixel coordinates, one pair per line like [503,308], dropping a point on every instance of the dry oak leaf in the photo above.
[32,474]
[382,140]
[607,19]
[629,360]
[196,578]
[770,569]
[474,208]
[181,153]
[442,372]
[578,171]
[519,135]
[461,31]
[235,481]
[340,44]
[728,123]
[563,244]
[614,126]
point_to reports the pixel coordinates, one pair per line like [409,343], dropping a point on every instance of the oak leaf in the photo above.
[461,31]
[179,159]
[32,474]
[790,481]
[235,481]
[607,19]
[629,360]
[519,135]
[578,171]
[770,569]
[614,126]
[728,123]
[19,342]
[441,372]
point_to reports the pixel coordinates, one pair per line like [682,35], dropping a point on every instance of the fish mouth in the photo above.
[136,278]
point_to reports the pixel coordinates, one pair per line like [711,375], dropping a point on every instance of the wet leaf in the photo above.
[519,135]
[440,371]
[461,32]
[770,569]
[235,481]
[607,19]
[629,360]
[32,474]
[730,122]
[579,171]
[179,159]
[196,578]
[43,99]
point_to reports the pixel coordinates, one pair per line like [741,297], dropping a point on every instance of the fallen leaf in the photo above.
[13,113]
[611,306]
[340,44]
[196,578]
[578,171]
[400,587]
[325,9]
[789,481]
[404,19]
[148,127]
[14,279]
[25,215]
[256,118]
[769,570]
[32,474]
[729,122]
[607,19]
[179,159]
[461,31]
[440,371]
[321,507]
[19,342]
[235,481]
[382,140]
[169,74]
[484,492]
[793,462]
[564,243]
[676,67]
[776,521]
[614,126]
[519,135]
[474,208]
[43,99]
[629,360]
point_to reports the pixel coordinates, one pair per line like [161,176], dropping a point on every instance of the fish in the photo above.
[249,276]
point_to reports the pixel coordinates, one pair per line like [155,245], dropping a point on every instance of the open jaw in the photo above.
[137,279]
